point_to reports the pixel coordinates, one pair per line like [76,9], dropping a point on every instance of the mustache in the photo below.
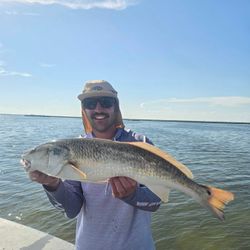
[93,116]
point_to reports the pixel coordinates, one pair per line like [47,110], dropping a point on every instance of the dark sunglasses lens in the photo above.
[89,103]
[106,102]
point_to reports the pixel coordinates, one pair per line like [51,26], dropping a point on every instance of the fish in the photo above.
[97,160]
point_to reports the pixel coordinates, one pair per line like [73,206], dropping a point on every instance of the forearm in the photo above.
[143,198]
[67,198]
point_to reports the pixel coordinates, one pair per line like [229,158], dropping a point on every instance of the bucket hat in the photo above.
[95,88]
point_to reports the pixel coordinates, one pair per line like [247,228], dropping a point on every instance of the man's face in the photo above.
[100,112]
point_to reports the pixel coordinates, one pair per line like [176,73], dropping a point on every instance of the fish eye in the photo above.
[57,151]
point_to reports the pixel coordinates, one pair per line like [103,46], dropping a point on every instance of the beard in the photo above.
[102,122]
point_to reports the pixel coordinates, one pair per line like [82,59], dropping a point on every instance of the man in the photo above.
[116,215]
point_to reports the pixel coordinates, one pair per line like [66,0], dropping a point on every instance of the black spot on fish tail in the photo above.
[208,191]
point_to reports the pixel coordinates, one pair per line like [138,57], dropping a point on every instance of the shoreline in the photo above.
[129,119]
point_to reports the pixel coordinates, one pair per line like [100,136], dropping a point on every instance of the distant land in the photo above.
[128,119]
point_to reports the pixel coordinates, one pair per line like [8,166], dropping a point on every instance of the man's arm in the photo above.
[66,196]
[143,198]
[135,195]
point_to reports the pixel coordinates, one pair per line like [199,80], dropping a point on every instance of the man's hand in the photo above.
[50,181]
[122,186]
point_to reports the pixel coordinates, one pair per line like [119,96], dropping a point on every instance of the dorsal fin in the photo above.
[165,156]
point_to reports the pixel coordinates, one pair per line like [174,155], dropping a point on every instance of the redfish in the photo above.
[97,160]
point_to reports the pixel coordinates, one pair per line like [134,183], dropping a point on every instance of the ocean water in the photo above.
[217,153]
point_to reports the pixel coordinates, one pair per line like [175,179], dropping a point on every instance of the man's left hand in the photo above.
[122,186]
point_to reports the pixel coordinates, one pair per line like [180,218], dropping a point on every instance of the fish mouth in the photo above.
[26,164]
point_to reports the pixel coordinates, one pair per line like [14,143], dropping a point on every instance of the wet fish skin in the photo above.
[96,160]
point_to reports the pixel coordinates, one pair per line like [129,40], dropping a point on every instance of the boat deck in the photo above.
[15,236]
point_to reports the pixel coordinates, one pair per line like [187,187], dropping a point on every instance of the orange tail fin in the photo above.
[217,200]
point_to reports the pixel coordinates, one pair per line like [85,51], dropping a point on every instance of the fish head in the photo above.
[48,158]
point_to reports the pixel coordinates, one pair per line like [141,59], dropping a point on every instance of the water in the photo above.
[218,154]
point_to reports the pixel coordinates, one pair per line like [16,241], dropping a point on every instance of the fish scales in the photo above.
[139,164]
[96,160]
[141,161]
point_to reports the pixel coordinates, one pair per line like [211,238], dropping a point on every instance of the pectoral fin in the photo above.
[71,172]
[82,174]
[161,191]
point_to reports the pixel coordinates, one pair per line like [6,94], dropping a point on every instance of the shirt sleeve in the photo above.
[67,198]
[143,198]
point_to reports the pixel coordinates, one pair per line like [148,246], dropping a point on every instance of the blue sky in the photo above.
[183,59]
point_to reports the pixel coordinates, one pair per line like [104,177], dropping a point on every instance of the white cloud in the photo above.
[80,4]
[227,101]
[30,14]
[15,13]
[229,108]
[47,65]
[11,12]
[4,72]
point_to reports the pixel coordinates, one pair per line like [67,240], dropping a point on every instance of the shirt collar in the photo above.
[116,137]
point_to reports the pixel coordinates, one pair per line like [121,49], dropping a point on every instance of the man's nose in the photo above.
[98,107]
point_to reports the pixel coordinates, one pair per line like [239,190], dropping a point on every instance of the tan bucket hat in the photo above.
[95,88]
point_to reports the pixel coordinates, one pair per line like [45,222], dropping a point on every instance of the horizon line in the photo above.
[131,119]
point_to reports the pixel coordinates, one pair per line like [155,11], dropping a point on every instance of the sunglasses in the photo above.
[105,102]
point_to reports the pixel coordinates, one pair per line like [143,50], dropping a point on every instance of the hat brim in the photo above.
[81,97]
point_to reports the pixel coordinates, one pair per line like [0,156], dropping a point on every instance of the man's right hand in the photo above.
[51,182]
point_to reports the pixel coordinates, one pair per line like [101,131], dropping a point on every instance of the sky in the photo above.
[168,60]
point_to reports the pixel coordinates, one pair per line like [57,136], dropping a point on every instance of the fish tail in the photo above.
[217,200]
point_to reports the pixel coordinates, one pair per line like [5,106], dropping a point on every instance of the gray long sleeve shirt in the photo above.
[105,222]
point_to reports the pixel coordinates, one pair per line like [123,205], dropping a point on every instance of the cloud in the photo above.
[80,4]
[225,108]
[47,65]
[15,13]
[227,101]
[4,72]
